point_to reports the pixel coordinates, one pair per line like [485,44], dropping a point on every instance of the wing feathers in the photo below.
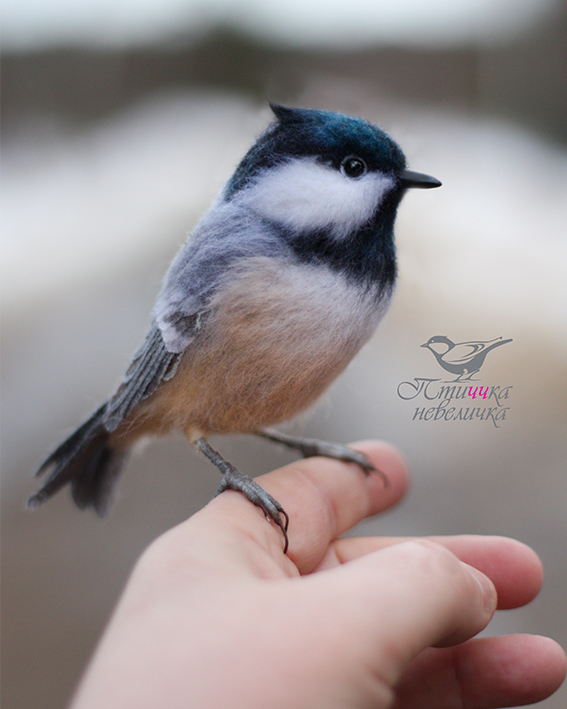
[152,364]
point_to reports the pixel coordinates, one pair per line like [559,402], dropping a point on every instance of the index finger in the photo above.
[325,497]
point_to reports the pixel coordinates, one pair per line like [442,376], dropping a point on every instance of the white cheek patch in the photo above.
[305,194]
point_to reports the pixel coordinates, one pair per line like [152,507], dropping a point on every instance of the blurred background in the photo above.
[122,119]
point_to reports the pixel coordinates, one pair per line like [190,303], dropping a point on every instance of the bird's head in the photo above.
[439,344]
[314,169]
[327,181]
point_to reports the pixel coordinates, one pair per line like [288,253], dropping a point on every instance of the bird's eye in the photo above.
[353,167]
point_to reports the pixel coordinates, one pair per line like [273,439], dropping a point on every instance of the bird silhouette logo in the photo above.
[462,358]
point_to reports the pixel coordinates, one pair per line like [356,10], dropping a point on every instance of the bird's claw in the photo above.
[234,479]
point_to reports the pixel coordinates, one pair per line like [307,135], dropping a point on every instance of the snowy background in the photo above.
[104,175]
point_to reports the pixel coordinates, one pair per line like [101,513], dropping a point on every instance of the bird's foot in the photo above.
[469,378]
[310,447]
[234,479]
[462,378]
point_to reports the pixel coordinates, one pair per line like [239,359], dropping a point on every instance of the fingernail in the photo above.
[487,588]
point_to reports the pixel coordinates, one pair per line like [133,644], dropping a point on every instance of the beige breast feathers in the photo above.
[276,337]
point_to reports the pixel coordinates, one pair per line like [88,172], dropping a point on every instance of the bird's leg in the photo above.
[234,479]
[462,378]
[469,377]
[309,447]
[457,380]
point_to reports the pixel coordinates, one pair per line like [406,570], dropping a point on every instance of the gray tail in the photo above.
[87,462]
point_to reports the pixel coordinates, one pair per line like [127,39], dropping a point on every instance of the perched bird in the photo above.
[277,288]
[461,358]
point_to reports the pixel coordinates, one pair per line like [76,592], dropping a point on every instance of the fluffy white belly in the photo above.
[277,336]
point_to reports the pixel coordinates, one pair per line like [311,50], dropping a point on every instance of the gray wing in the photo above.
[151,365]
[201,267]
[179,313]
[226,236]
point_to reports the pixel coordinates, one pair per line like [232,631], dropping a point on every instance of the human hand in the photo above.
[215,615]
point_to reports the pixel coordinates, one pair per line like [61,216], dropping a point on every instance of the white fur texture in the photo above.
[305,194]
[277,336]
[310,306]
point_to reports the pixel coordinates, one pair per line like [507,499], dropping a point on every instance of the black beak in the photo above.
[408,178]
